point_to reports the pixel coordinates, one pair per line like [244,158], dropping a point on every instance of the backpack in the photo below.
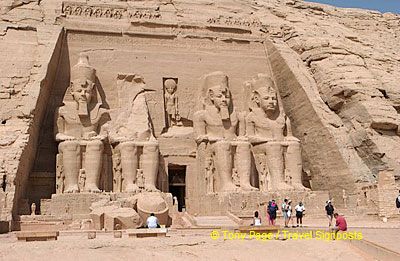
[273,208]
[398,202]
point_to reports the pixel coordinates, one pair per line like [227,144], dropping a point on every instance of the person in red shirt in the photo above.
[341,224]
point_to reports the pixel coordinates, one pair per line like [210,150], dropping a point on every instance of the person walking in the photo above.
[398,201]
[329,211]
[299,213]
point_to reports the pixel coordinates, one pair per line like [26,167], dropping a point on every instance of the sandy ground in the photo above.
[179,245]
[196,244]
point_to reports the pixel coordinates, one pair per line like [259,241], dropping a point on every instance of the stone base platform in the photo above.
[147,232]
[258,229]
[37,235]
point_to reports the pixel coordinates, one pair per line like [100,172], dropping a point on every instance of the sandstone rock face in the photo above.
[336,70]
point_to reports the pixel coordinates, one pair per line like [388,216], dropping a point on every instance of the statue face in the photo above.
[268,102]
[170,86]
[220,97]
[81,90]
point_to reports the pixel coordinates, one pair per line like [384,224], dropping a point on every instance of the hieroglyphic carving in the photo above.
[231,21]
[107,11]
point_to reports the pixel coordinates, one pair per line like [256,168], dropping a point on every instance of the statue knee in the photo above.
[95,145]
[224,145]
[68,146]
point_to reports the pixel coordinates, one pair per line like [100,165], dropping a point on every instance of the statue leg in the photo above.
[223,153]
[150,165]
[129,165]
[294,165]
[275,166]
[71,153]
[243,165]
[93,164]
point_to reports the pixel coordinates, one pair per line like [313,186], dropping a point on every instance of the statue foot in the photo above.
[298,186]
[92,188]
[72,189]
[229,187]
[132,188]
[151,188]
[284,186]
[247,187]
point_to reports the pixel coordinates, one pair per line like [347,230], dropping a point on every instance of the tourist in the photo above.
[272,212]
[289,212]
[152,221]
[329,211]
[341,224]
[268,215]
[398,201]
[256,219]
[299,213]
[284,212]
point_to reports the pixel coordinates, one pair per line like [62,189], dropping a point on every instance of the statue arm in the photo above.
[251,131]
[242,123]
[59,127]
[103,125]
[199,127]
[289,134]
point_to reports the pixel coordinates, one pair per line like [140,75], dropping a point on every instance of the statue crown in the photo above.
[83,69]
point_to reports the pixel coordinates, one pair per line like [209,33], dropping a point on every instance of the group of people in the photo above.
[288,215]
[287,211]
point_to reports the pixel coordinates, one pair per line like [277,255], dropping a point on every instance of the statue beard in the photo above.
[83,108]
[224,112]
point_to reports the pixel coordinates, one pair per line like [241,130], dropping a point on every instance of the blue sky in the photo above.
[380,5]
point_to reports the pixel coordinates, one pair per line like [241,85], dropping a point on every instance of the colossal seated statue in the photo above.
[277,151]
[135,149]
[216,125]
[78,128]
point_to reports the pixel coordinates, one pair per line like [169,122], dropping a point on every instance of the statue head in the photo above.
[170,86]
[83,77]
[265,96]
[218,93]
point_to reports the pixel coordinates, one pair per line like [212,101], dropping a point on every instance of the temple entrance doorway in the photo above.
[177,184]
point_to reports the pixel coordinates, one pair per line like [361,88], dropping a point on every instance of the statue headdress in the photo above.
[83,69]
[211,80]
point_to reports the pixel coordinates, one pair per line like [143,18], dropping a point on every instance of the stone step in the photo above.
[214,221]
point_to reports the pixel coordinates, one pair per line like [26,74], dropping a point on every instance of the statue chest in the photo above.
[76,126]
[270,128]
[216,126]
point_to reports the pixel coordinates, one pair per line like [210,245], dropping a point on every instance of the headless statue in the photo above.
[269,131]
[132,139]
[217,125]
[78,129]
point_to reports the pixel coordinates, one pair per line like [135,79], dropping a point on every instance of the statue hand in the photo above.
[98,137]
[242,138]
[63,137]
[89,135]
[201,138]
